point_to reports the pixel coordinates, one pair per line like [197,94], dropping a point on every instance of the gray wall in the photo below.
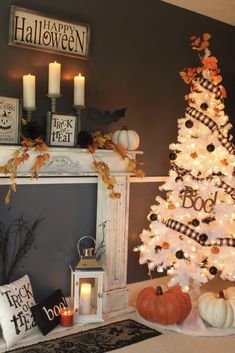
[137,50]
[68,212]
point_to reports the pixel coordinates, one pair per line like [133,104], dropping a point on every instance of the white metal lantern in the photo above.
[86,295]
[87,287]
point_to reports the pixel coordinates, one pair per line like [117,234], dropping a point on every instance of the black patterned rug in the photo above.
[99,340]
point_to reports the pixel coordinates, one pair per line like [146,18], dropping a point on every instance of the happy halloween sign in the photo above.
[36,31]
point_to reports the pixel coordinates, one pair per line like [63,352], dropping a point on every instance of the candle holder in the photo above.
[78,110]
[53,98]
[29,113]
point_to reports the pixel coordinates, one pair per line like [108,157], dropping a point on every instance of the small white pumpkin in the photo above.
[128,138]
[218,309]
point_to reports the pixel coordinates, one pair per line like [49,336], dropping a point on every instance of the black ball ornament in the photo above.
[213,270]
[204,106]
[210,147]
[203,238]
[84,139]
[172,156]
[179,254]
[195,222]
[153,217]
[189,124]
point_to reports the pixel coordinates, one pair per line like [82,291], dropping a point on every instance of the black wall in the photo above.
[137,49]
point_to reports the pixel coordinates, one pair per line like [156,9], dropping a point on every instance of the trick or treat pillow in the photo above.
[16,319]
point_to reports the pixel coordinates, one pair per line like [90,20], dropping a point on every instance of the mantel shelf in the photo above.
[69,161]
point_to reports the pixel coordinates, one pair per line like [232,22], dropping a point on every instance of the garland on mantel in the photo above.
[105,142]
[37,145]
[21,155]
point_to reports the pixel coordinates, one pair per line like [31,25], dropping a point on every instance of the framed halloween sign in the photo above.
[34,30]
[9,120]
[61,130]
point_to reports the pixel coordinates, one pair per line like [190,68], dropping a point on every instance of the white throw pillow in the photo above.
[16,318]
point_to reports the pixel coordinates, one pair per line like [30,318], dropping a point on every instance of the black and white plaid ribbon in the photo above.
[191,233]
[183,229]
[210,87]
[211,124]
[227,188]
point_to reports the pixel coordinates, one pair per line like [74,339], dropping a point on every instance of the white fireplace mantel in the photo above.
[70,165]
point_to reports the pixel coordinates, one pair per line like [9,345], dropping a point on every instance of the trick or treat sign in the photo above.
[191,199]
[9,120]
[62,130]
[34,30]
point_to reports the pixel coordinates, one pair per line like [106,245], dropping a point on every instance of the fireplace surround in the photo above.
[73,165]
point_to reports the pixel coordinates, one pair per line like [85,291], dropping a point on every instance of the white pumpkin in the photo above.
[218,309]
[128,138]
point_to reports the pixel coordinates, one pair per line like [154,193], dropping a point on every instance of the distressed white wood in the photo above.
[68,161]
[73,165]
[116,214]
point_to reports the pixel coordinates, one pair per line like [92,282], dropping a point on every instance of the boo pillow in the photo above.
[16,318]
[47,312]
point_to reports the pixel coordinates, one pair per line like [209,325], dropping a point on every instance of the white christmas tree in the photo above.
[192,231]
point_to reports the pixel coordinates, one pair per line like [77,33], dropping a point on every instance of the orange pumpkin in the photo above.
[167,308]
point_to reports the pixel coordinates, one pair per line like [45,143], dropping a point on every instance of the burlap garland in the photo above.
[211,124]
[191,233]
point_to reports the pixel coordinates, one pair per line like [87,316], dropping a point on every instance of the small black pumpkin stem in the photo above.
[159,290]
[221,294]
[124,127]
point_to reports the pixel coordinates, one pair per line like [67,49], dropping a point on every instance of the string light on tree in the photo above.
[195,223]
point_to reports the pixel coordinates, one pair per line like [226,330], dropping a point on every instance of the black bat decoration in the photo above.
[106,116]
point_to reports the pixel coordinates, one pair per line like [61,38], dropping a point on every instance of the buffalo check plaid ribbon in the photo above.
[227,188]
[211,124]
[191,233]
[210,87]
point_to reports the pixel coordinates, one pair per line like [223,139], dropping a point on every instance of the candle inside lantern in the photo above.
[29,91]
[85,299]
[79,90]
[54,79]
[66,317]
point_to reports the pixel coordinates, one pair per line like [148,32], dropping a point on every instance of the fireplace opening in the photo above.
[67,212]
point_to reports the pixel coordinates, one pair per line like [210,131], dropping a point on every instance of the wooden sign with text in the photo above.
[34,30]
[61,130]
[191,199]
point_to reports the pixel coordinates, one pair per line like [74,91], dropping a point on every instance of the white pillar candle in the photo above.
[85,299]
[29,91]
[54,79]
[79,90]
